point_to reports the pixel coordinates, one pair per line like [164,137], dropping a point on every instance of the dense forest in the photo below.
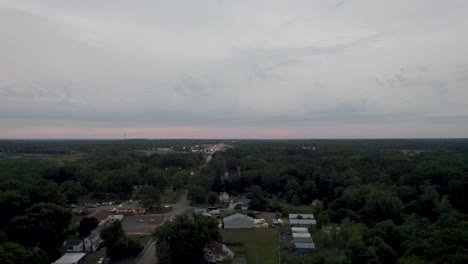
[376,206]
[376,201]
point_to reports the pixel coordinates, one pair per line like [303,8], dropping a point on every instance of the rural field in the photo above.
[260,245]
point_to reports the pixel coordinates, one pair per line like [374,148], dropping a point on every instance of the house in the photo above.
[238,221]
[244,201]
[75,246]
[224,197]
[93,241]
[216,252]
[71,258]
[302,219]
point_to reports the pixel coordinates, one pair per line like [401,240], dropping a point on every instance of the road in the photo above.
[149,256]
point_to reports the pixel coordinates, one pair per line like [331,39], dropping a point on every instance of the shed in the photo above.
[302,222]
[238,221]
[301,216]
[299,230]
[75,246]
[301,235]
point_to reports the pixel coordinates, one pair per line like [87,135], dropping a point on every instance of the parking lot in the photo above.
[132,225]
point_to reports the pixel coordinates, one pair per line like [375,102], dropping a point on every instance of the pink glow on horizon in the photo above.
[280,133]
[395,130]
[162,132]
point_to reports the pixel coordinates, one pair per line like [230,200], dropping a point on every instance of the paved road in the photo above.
[149,256]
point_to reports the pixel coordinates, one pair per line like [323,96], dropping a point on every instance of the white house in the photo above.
[216,252]
[75,246]
[238,221]
[71,258]
[224,197]
[93,241]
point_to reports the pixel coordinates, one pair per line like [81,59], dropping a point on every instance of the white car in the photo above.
[101,261]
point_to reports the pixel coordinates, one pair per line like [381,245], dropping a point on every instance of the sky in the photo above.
[233,69]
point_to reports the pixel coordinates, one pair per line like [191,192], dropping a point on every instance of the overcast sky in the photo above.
[233,69]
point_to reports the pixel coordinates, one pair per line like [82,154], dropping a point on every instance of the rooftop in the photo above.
[246,217]
[70,258]
[301,216]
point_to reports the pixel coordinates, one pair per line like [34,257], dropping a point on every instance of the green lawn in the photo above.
[170,197]
[260,245]
[96,255]
[143,240]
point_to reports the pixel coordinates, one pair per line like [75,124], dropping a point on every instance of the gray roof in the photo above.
[231,217]
[303,239]
[302,222]
[73,242]
[301,245]
[303,216]
[244,200]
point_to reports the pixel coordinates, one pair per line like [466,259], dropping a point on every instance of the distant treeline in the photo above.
[67,146]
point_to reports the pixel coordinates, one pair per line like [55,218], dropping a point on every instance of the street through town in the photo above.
[149,255]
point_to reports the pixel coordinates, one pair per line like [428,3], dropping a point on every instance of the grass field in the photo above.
[143,240]
[260,245]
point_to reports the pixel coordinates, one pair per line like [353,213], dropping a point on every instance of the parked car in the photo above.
[101,261]
[139,221]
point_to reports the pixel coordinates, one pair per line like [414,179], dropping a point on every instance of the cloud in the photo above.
[260,69]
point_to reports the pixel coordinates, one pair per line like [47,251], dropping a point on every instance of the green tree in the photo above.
[197,194]
[183,239]
[72,190]
[118,244]
[87,224]
[149,196]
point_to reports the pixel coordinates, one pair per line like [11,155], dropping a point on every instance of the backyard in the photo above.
[259,245]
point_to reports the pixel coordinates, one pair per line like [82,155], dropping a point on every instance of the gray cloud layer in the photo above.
[294,65]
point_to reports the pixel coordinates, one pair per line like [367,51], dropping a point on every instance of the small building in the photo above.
[244,201]
[299,230]
[216,252]
[302,219]
[301,235]
[301,216]
[71,258]
[238,221]
[200,210]
[75,246]
[224,197]
[304,244]
[215,212]
[302,239]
